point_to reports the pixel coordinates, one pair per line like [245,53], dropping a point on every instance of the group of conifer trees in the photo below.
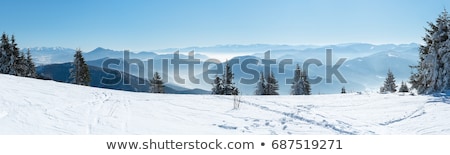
[14,62]
[267,84]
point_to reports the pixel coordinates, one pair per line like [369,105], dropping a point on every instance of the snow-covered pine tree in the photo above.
[227,82]
[297,87]
[403,88]
[306,85]
[441,38]
[433,71]
[14,62]
[80,71]
[382,90]
[343,90]
[21,67]
[261,86]
[217,86]
[85,77]
[30,67]
[156,84]
[5,55]
[301,85]
[272,85]
[389,83]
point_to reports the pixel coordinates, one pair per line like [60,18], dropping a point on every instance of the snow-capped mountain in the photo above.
[50,55]
[364,68]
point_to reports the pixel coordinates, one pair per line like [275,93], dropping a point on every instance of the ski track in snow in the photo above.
[416,113]
[339,128]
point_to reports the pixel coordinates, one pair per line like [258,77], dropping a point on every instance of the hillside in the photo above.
[30,106]
[61,73]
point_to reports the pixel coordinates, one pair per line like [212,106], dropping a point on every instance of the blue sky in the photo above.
[147,24]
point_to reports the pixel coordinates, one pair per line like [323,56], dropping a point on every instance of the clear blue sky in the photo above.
[147,24]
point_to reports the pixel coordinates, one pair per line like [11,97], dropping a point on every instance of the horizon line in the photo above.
[233,44]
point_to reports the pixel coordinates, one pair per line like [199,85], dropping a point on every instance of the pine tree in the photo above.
[30,67]
[5,59]
[80,71]
[301,85]
[261,86]
[297,87]
[21,66]
[156,84]
[225,85]
[403,88]
[217,86]
[15,63]
[272,85]
[389,83]
[307,86]
[382,90]
[12,61]
[227,82]
[433,70]
[343,90]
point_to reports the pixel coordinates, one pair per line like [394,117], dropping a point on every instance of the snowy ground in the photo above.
[29,106]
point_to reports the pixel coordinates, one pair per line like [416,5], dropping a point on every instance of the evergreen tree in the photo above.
[343,90]
[15,63]
[389,83]
[5,59]
[80,71]
[433,70]
[403,88]
[301,85]
[307,86]
[261,86]
[21,66]
[227,83]
[217,86]
[382,90]
[297,87]
[156,84]
[30,67]
[12,61]
[272,85]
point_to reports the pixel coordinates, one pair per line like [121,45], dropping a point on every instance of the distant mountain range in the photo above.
[364,69]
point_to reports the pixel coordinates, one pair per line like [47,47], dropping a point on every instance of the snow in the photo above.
[30,106]
[392,55]
[380,77]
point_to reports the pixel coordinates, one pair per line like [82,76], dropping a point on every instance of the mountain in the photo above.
[112,79]
[365,73]
[107,53]
[364,68]
[371,71]
[49,55]
[31,106]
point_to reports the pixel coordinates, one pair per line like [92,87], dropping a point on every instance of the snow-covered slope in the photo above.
[30,106]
